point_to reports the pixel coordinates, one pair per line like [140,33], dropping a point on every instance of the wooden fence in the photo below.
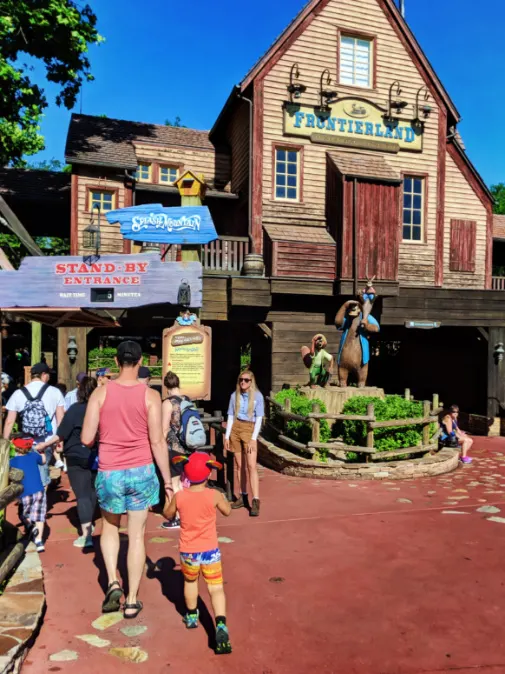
[431,410]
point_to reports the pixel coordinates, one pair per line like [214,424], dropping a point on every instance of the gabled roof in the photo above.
[110,142]
[314,7]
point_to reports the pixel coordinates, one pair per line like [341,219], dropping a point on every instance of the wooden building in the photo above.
[338,158]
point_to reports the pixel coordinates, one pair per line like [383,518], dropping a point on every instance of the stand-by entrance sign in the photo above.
[111,281]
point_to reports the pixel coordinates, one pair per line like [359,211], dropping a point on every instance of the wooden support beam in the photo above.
[265,329]
[5,263]
[36,351]
[12,222]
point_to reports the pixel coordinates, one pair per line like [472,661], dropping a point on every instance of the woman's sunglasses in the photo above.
[244,379]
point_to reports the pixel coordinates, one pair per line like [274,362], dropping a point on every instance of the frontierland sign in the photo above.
[352,122]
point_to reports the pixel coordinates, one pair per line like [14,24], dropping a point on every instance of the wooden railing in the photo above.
[498,283]
[335,447]
[225,255]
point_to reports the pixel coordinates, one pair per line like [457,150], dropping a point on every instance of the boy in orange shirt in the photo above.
[198,544]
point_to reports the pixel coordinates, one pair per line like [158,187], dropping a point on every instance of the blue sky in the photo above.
[162,59]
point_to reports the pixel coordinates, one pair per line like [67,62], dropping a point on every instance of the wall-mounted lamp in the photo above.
[326,96]
[72,349]
[498,352]
[295,89]
[91,235]
[422,109]
[395,104]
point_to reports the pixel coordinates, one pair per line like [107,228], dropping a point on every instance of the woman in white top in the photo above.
[245,416]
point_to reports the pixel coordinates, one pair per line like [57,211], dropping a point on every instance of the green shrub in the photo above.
[385,439]
[98,358]
[299,430]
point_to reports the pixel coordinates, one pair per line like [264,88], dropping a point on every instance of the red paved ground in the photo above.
[369,585]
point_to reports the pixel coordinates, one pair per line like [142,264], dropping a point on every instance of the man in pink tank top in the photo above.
[126,415]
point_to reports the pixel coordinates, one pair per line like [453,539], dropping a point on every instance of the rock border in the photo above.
[21,611]
[287,463]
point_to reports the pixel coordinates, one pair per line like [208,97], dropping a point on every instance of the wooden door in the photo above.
[377,225]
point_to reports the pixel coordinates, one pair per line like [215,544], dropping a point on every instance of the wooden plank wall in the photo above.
[111,240]
[291,331]
[477,308]
[316,260]
[461,203]
[314,50]
[215,166]
[238,138]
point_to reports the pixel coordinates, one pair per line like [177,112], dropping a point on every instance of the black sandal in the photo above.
[112,600]
[138,606]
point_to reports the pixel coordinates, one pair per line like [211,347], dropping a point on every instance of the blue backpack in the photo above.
[191,434]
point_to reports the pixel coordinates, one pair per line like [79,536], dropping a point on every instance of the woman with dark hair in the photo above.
[452,436]
[81,460]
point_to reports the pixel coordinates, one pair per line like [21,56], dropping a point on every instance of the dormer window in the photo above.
[144,172]
[168,174]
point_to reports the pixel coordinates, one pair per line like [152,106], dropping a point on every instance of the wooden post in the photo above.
[67,371]
[426,425]
[36,354]
[370,410]
[316,423]
[435,402]
[287,408]
[407,394]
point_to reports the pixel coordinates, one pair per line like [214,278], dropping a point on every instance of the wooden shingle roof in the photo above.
[367,166]
[499,226]
[298,233]
[109,142]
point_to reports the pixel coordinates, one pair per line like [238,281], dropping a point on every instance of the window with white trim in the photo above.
[143,172]
[101,199]
[287,174]
[168,174]
[413,209]
[355,60]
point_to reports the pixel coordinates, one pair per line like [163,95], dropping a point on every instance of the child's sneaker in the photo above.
[83,542]
[191,620]
[223,644]
[40,546]
[466,459]
[172,524]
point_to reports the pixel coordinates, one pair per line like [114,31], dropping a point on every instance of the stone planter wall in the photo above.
[21,609]
[288,463]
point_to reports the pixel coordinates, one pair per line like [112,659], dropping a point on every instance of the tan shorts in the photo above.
[241,434]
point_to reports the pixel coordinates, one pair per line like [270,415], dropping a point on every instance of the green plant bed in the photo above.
[299,430]
[98,358]
[391,407]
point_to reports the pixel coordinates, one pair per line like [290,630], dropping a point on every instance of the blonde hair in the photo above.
[252,394]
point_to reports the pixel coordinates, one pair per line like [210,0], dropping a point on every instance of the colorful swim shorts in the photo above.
[209,562]
[130,489]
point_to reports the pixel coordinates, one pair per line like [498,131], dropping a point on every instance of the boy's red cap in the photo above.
[22,443]
[198,466]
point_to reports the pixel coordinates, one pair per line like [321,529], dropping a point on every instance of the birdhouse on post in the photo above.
[192,188]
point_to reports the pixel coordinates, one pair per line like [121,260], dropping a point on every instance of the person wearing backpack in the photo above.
[183,430]
[41,408]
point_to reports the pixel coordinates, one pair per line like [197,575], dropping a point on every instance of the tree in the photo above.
[175,123]
[58,34]
[498,192]
[48,165]
[15,251]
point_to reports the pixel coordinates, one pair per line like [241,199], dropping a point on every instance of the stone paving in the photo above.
[365,577]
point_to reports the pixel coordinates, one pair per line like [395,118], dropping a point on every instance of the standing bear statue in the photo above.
[356,322]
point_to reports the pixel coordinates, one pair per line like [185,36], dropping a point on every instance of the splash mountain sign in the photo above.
[352,122]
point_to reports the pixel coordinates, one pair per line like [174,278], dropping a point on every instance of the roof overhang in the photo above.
[64,318]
